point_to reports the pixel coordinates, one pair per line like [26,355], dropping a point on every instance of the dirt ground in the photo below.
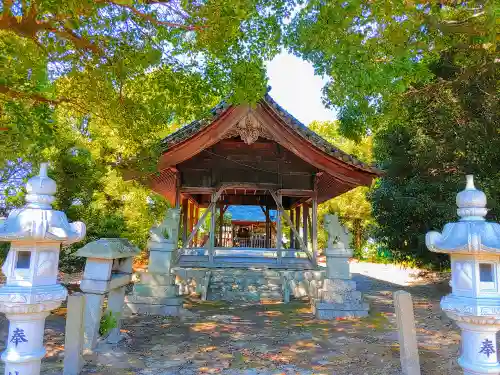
[269,339]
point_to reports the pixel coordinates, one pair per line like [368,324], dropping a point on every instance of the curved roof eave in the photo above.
[186,132]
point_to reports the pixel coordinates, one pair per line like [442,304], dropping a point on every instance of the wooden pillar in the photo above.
[278,229]
[221,222]
[197,218]
[191,221]
[212,229]
[297,224]
[292,238]
[185,213]
[314,229]
[305,214]
[177,190]
[268,228]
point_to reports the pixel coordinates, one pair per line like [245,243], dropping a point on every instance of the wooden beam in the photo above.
[212,228]
[305,232]
[278,230]
[221,223]
[197,216]
[185,213]
[287,218]
[299,202]
[177,190]
[292,239]
[296,192]
[273,228]
[191,218]
[197,190]
[268,230]
[297,225]
[314,227]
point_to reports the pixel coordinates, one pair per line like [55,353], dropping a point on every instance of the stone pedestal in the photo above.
[337,262]
[479,354]
[338,297]
[36,233]
[156,293]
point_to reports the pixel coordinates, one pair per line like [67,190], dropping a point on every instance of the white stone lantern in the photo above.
[474,248]
[36,233]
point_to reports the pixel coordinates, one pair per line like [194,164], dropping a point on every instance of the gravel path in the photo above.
[280,338]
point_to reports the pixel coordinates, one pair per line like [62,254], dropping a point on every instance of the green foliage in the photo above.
[94,86]
[108,322]
[423,79]
[444,130]
[353,208]
[374,51]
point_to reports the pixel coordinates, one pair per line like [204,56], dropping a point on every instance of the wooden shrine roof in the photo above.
[340,171]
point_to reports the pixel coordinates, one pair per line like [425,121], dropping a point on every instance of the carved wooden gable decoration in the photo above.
[256,145]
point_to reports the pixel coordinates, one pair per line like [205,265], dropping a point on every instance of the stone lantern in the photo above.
[36,233]
[474,248]
[108,270]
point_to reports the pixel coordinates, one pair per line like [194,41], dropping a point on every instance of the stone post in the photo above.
[474,303]
[31,291]
[408,347]
[156,292]
[338,298]
[108,269]
[73,337]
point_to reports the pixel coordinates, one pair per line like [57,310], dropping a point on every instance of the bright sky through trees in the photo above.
[295,87]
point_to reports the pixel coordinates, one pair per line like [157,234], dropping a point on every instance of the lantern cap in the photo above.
[472,234]
[108,248]
[471,202]
[37,221]
[41,189]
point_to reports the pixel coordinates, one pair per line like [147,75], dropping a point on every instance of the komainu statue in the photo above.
[168,230]
[338,235]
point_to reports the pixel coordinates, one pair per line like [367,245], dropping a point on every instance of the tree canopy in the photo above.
[438,138]
[93,86]
[353,207]
[375,51]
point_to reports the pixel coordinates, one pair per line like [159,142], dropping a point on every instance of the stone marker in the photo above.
[474,303]
[410,362]
[31,291]
[73,338]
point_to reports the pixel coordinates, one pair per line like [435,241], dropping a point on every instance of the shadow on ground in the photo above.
[272,339]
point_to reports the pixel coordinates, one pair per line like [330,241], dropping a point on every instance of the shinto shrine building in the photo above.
[263,158]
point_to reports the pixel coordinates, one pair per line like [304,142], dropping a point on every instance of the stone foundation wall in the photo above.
[232,284]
